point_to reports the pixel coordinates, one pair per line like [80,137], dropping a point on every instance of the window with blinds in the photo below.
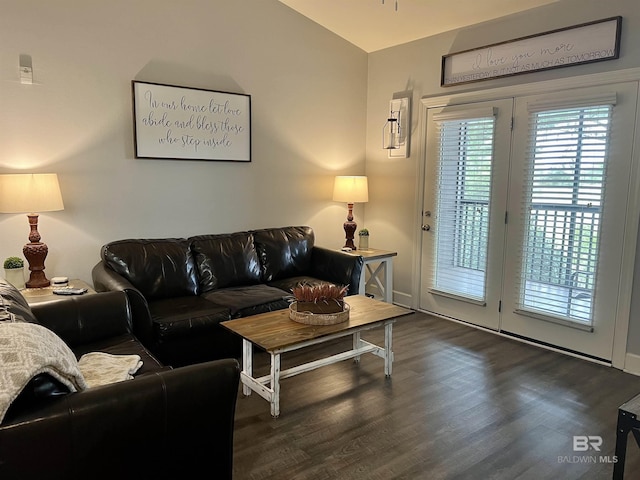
[564,196]
[463,202]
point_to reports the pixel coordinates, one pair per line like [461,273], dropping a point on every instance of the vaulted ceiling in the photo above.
[376,24]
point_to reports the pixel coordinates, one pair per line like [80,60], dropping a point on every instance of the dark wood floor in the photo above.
[461,404]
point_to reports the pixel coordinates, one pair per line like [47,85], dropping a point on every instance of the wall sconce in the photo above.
[29,193]
[350,190]
[391,131]
[395,133]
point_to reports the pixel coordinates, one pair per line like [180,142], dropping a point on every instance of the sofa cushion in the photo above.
[239,299]
[185,316]
[159,268]
[284,252]
[281,304]
[125,344]
[225,260]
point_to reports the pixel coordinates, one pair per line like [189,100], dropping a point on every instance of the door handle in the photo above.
[426,227]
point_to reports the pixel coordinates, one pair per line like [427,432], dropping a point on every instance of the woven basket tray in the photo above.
[309,318]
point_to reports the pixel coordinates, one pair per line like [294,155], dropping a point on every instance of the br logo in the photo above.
[584,443]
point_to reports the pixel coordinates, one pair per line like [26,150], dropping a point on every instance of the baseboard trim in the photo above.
[402,299]
[533,343]
[632,364]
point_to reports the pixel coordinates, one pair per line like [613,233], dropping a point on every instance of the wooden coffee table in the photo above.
[276,333]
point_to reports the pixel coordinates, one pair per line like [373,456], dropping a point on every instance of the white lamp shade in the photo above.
[30,193]
[351,189]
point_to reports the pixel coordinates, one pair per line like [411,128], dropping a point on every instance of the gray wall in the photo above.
[391,213]
[308,89]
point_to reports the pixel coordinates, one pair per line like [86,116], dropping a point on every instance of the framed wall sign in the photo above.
[190,123]
[586,43]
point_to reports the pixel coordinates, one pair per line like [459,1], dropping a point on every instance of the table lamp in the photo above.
[350,189]
[28,193]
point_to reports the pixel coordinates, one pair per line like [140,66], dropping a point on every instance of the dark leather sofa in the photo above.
[163,423]
[182,288]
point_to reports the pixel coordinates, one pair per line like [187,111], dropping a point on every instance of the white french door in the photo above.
[568,203]
[524,220]
[463,216]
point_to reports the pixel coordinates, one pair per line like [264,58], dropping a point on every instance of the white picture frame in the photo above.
[585,43]
[184,123]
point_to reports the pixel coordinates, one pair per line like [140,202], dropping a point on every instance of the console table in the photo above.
[379,265]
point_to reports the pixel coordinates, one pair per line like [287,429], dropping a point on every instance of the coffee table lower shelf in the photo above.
[268,386]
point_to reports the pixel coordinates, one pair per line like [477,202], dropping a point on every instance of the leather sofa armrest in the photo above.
[86,319]
[105,279]
[337,267]
[171,424]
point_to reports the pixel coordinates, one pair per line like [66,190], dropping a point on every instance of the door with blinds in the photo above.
[524,220]
[568,197]
[466,180]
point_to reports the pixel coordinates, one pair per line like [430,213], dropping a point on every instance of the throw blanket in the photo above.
[99,368]
[28,349]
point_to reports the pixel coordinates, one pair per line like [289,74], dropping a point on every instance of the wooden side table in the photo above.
[45,294]
[379,265]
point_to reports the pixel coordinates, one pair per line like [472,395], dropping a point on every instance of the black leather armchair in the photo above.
[164,423]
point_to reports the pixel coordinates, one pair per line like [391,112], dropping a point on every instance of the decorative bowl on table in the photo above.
[319,304]
[300,312]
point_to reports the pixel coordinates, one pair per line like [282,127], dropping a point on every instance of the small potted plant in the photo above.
[363,236]
[14,271]
[324,298]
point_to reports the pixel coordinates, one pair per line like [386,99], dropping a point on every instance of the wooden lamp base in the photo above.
[35,252]
[350,229]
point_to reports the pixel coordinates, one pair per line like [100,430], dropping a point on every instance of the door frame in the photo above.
[623,312]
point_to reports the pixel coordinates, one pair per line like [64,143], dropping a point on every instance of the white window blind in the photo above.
[562,205]
[463,201]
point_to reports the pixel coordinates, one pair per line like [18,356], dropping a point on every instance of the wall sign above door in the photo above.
[586,43]
[191,123]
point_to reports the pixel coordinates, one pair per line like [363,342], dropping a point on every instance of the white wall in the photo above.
[308,89]
[392,214]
